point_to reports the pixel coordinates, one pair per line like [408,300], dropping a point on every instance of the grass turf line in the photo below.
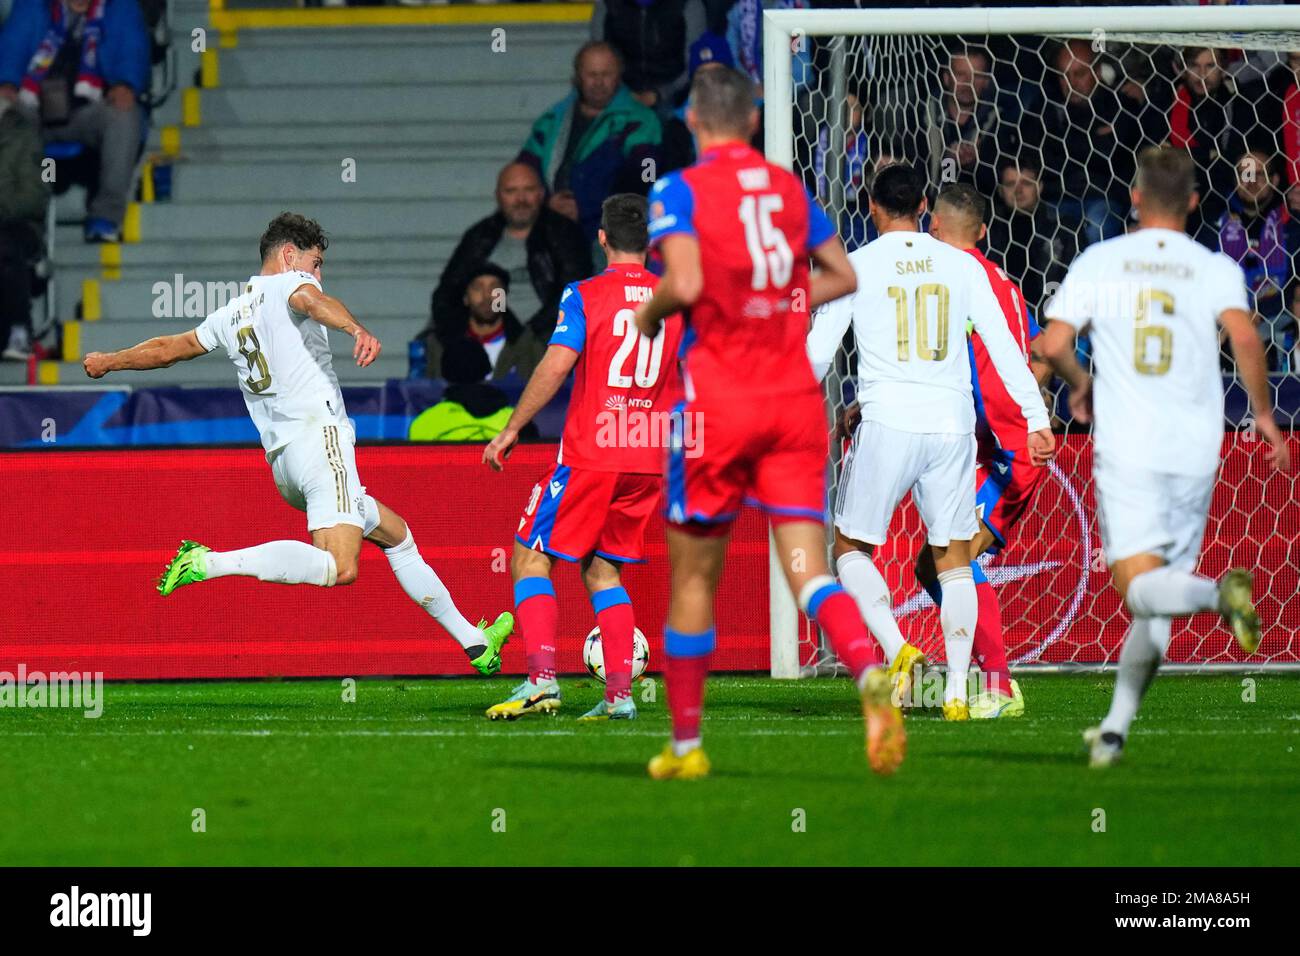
[411,773]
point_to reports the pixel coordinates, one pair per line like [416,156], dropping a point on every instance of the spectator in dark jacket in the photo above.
[23,200]
[78,69]
[1206,119]
[1024,236]
[1088,142]
[541,251]
[654,38]
[597,141]
[508,346]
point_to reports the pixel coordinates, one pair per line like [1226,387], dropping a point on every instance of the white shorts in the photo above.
[317,473]
[1148,512]
[884,464]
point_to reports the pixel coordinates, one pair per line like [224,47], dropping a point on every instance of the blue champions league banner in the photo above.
[121,417]
[91,417]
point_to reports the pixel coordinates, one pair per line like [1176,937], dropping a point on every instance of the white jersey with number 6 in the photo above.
[282,358]
[1150,302]
[909,315]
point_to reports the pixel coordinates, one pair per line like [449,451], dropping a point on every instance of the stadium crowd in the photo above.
[1047,130]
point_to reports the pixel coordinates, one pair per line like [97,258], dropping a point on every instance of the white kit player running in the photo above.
[1151,303]
[275,334]
[915,296]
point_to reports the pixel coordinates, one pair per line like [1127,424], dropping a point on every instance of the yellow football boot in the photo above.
[668,766]
[956,709]
[907,666]
[886,737]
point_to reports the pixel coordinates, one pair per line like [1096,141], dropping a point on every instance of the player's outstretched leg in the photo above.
[614,617]
[281,562]
[696,554]
[1173,592]
[1144,648]
[958,614]
[482,644]
[863,580]
[537,613]
[1154,592]
[836,612]
[1001,696]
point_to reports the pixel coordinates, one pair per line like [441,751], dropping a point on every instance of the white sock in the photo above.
[682,747]
[1144,648]
[1167,591]
[283,562]
[863,581]
[957,616]
[427,590]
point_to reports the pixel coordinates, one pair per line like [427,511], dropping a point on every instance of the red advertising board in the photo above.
[80,555]
[1054,588]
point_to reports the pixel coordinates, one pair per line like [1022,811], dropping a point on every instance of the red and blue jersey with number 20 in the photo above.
[624,384]
[755,224]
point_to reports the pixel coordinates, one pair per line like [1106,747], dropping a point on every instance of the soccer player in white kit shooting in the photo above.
[275,334]
[917,433]
[1151,303]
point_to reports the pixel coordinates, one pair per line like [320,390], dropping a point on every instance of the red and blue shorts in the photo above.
[1005,483]
[574,512]
[767,451]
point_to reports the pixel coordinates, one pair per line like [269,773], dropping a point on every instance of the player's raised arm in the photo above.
[545,381]
[159,352]
[331,313]
[1248,351]
[680,286]
[830,323]
[834,277]
[1009,361]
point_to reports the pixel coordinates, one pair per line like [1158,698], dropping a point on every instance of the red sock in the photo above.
[837,614]
[687,667]
[988,647]
[536,613]
[616,624]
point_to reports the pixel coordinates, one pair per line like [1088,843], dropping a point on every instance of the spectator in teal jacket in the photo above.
[596,141]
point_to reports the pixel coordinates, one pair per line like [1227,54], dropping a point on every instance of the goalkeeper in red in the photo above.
[736,234]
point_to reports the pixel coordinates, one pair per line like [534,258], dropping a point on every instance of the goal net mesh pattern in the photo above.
[1048,128]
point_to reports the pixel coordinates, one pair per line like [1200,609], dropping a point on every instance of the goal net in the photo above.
[1044,111]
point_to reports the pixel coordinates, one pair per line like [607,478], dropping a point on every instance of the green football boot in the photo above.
[188,567]
[497,634]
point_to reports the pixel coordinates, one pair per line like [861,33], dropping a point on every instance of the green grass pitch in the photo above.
[411,773]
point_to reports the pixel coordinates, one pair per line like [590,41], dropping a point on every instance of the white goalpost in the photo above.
[989,96]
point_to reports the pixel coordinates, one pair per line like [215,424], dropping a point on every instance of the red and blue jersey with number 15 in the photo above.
[755,224]
[624,384]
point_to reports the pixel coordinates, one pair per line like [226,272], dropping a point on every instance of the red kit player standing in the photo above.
[1006,477]
[736,234]
[593,506]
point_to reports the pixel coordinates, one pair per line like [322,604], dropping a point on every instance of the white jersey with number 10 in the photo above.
[909,316]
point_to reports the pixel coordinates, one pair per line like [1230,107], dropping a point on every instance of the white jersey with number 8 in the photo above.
[281,357]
